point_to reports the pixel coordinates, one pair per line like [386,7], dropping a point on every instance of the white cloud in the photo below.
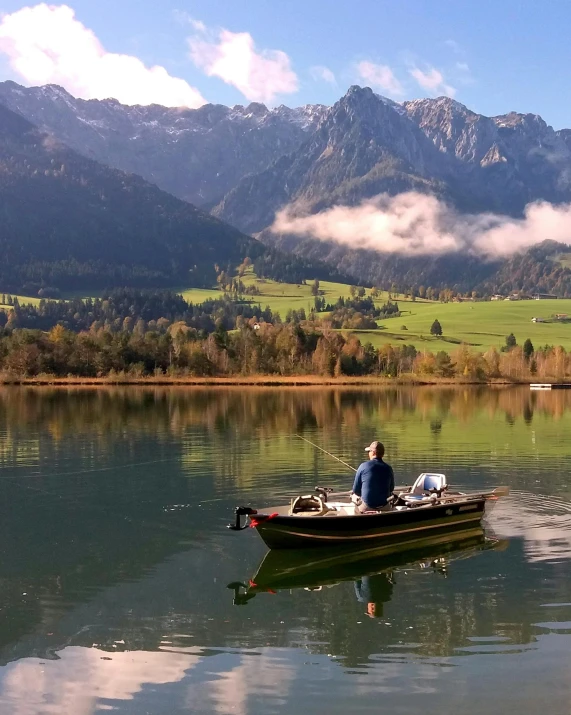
[232,56]
[46,44]
[198,25]
[380,77]
[432,80]
[185,18]
[416,224]
[319,72]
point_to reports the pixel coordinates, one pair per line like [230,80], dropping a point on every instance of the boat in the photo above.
[325,518]
[313,569]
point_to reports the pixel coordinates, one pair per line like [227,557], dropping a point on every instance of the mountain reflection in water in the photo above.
[114,556]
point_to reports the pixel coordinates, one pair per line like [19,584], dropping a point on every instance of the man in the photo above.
[374,481]
[374,590]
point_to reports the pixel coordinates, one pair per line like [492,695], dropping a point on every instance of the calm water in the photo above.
[115,559]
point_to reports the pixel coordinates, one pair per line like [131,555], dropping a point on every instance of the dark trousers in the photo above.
[362,507]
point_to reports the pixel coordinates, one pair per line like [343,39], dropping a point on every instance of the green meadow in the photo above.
[480,325]
[22,299]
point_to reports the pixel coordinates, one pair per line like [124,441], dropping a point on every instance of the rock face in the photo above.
[195,154]
[365,145]
[362,146]
[517,156]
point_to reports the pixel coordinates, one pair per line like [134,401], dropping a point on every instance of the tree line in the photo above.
[256,348]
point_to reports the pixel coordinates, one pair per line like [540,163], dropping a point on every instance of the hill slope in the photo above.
[70,222]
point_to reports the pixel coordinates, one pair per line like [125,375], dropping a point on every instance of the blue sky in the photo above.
[493,56]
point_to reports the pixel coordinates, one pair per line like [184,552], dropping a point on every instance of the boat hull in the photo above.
[311,568]
[392,527]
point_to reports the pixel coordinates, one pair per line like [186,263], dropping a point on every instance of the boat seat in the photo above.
[428,481]
[309,505]
[421,489]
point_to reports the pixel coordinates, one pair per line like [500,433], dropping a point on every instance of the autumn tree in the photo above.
[444,366]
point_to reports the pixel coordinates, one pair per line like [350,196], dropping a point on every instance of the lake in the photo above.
[115,559]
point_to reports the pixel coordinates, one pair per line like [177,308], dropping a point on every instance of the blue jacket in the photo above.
[374,482]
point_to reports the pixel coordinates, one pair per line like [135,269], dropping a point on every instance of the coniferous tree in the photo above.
[511,342]
[528,349]
[436,328]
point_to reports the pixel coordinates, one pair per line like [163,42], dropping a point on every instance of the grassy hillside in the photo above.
[282,297]
[22,299]
[481,325]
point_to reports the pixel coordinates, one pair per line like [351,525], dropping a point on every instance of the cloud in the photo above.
[380,77]
[319,72]
[432,80]
[46,44]
[454,46]
[463,73]
[414,224]
[232,56]
[185,18]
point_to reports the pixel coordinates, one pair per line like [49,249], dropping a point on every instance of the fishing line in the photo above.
[326,452]
[96,507]
[89,471]
[105,510]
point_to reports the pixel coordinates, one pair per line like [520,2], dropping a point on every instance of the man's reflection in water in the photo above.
[375,590]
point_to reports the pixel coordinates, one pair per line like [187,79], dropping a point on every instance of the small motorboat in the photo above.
[328,519]
[313,569]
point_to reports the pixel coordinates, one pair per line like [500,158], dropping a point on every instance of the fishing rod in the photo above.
[325,452]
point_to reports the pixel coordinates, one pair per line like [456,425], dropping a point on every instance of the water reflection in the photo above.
[114,557]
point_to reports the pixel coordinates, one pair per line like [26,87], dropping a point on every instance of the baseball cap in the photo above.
[373,446]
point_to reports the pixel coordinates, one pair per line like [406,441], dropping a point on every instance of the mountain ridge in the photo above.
[180,150]
[245,164]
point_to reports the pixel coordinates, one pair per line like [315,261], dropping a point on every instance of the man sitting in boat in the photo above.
[374,481]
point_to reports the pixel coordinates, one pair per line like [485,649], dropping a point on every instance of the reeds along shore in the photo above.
[273,354]
[124,378]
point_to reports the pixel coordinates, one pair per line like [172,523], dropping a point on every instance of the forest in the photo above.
[132,335]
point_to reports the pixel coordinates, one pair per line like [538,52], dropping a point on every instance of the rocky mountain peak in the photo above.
[196,154]
[256,109]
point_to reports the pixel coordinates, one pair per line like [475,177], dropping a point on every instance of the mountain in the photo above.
[246,163]
[362,146]
[365,145]
[70,222]
[198,155]
[517,157]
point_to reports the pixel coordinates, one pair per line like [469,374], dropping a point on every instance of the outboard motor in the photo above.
[240,512]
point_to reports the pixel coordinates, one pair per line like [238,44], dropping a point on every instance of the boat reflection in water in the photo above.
[372,569]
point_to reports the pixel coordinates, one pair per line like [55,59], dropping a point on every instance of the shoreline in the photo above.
[253,381]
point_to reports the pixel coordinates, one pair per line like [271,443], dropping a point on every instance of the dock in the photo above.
[550,386]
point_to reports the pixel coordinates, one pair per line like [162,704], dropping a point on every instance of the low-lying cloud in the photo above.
[415,224]
[46,44]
